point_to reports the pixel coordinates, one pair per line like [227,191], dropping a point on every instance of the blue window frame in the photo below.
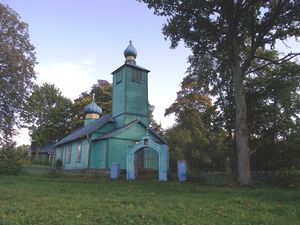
[69,153]
[78,158]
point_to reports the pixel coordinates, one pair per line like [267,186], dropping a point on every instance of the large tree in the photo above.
[273,102]
[195,116]
[231,31]
[103,95]
[17,61]
[47,114]
[272,94]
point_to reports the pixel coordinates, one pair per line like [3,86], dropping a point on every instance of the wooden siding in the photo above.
[130,98]
[98,155]
[63,154]
[118,144]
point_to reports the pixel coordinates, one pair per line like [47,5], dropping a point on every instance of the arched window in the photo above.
[78,158]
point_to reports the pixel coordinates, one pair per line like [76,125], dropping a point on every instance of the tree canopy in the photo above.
[17,61]
[231,34]
[47,114]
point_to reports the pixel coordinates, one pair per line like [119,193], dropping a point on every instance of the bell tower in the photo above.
[130,91]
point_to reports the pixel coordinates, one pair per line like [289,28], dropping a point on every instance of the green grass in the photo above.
[91,200]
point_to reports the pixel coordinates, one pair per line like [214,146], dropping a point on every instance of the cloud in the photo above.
[89,61]
[71,78]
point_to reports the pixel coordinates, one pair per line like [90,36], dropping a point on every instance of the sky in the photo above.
[78,42]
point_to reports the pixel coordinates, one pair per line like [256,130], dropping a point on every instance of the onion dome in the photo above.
[130,52]
[92,108]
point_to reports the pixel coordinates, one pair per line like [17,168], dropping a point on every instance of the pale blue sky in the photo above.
[80,41]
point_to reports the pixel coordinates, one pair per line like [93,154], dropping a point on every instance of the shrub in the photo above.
[41,162]
[289,177]
[58,164]
[11,159]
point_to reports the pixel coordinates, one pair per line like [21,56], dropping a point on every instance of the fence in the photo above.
[37,169]
[212,178]
[264,176]
[223,178]
[44,170]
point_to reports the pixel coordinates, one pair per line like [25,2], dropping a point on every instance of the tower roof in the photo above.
[92,108]
[130,53]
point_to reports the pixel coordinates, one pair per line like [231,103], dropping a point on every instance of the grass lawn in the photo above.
[92,200]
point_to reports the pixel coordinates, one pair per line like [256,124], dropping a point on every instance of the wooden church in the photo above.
[121,136]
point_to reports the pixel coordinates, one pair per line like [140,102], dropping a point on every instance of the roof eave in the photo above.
[132,66]
[108,120]
[153,132]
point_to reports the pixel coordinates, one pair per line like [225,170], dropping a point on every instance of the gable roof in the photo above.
[119,130]
[132,66]
[48,148]
[83,131]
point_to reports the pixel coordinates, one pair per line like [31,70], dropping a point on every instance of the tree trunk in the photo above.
[241,128]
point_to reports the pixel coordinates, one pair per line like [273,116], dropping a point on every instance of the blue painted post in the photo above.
[182,170]
[130,164]
[115,171]
[163,163]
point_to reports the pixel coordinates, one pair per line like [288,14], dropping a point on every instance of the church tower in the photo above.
[130,91]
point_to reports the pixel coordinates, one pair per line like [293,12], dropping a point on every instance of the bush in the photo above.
[41,162]
[11,159]
[289,177]
[58,164]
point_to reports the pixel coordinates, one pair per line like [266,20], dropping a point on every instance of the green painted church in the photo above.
[121,136]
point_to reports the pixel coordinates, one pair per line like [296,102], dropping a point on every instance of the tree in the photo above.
[194,140]
[237,29]
[153,124]
[272,95]
[78,106]
[47,114]
[17,61]
[179,140]
[274,115]
[12,158]
[194,136]
[103,95]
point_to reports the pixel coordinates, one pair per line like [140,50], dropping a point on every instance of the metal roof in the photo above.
[130,50]
[131,65]
[119,130]
[92,108]
[83,131]
[44,149]
[115,131]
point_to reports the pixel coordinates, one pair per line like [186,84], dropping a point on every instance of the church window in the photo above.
[118,77]
[146,141]
[136,76]
[68,152]
[78,158]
